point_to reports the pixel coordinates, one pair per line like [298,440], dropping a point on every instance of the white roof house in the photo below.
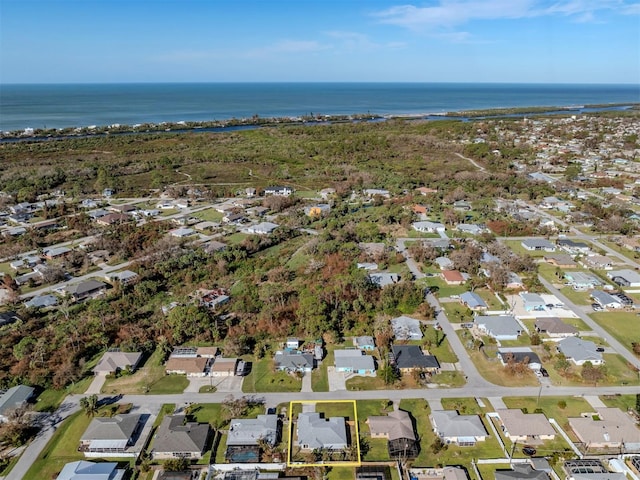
[354,361]
[406,328]
[428,227]
[316,432]
[85,470]
[263,228]
[249,431]
[538,244]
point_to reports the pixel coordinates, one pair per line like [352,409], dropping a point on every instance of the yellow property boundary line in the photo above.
[323,464]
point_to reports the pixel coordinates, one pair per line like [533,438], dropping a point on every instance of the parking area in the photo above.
[222,384]
[337,380]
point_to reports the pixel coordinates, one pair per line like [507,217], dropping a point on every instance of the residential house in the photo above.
[561,260]
[318,433]
[461,205]
[257,211]
[525,428]
[473,301]
[462,430]
[224,367]
[538,245]
[264,228]
[373,192]
[327,193]
[598,262]
[7,318]
[354,361]
[293,343]
[625,277]
[444,263]
[420,209]
[446,473]
[178,438]
[213,298]
[122,208]
[41,301]
[521,471]
[56,252]
[111,436]
[428,227]
[293,361]
[14,398]
[206,226]
[606,300]
[250,192]
[189,366]
[246,436]
[520,355]
[580,351]
[555,328]
[233,218]
[364,342]
[573,247]
[278,191]
[532,302]
[406,328]
[500,327]
[85,470]
[608,428]
[125,277]
[382,279]
[582,280]
[470,228]
[182,232]
[213,246]
[453,277]
[114,361]
[630,243]
[85,289]
[397,428]
[408,358]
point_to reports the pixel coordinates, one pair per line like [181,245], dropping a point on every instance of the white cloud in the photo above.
[359,41]
[446,14]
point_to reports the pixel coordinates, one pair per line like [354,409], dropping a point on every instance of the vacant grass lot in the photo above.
[209,215]
[263,378]
[624,326]
[376,448]
[151,378]
[623,402]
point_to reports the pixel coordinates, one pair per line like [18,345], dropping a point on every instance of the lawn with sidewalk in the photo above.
[263,378]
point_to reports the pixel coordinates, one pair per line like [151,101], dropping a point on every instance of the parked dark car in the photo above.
[529,451]
[600,349]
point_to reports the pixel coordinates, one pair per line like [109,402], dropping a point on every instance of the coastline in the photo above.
[233,124]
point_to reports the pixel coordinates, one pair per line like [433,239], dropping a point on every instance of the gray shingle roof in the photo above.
[353,359]
[497,326]
[449,423]
[579,350]
[315,431]
[411,356]
[175,435]
[473,300]
[14,398]
[120,427]
[249,431]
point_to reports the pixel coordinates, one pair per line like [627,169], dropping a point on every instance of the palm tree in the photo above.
[90,405]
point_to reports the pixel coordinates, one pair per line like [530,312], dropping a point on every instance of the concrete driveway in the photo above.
[336,380]
[222,384]
[96,384]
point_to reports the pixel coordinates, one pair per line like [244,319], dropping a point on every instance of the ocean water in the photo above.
[60,106]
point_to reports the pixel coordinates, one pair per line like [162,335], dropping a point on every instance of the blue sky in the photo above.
[545,41]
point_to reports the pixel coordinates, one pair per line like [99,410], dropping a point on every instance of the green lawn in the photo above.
[452,455]
[577,297]
[151,378]
[451,379]
[209,215]
[235,238]
[457,313]
[263,378]
[376,449]
[50,399]
[623,402]
[62,448]
[319,376]
[465,406]
[442,289]
[443,351]
[624,326]
[493,371]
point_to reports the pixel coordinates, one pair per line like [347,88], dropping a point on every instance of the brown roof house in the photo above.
[176,437]
[189,366]
[528,428]
[608,428]
[397,428]
[224,367]
[555,328]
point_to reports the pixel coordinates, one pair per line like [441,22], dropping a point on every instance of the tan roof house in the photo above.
[528,428]
[397,428]
[189,366]
[224,367]
[609,428]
